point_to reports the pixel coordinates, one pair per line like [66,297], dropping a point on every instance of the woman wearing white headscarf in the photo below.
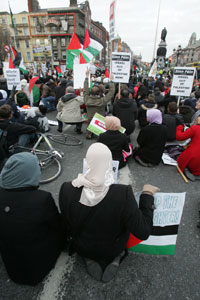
[31,236]
[99,215]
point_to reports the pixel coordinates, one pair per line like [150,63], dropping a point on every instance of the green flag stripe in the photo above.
[156,250]
[94,51]
[23,70]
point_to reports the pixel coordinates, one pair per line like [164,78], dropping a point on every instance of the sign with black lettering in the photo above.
[13,78]
[121,64]
[182,83]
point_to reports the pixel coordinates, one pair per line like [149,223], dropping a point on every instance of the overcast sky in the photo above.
[136,20]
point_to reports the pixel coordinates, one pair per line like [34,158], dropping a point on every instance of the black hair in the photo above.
[5,111]
[125,93]
[43,109]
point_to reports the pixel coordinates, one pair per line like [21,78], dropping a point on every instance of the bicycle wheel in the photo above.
[50,168]
[65,139]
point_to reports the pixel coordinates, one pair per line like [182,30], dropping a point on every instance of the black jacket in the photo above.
[105,233]
[31,236]
[126,110]
[170,121]
[151,141]
[15,130]
[60,90]
[116,142]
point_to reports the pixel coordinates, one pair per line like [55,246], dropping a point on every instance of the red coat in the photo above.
[190,157]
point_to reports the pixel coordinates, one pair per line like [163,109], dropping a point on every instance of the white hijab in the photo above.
[98,177]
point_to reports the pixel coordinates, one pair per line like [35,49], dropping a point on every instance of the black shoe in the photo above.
[78,131]
[59,130]
[138,159]
[189,175]
[94,269]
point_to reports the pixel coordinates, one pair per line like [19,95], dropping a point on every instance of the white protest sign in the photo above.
[63,68]
[13,78]
[112,21]
[153,71]
[121,64]
[79,75]
[182,83]
[115,167]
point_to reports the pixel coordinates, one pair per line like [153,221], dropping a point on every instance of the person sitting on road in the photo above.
[126,110]
[100,215]
[31,235]
[16,132]
[69,111]
[151,140]
[37,118]
[115,140]
[94,103]
[170,120]
[48,97]
[189,159]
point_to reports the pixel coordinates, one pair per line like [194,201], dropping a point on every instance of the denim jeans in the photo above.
[49,102]
[25,138]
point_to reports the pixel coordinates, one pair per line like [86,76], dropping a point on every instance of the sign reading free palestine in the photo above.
[166,219]
[97,125]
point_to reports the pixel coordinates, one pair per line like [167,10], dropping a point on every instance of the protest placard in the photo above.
[167,160]
[79,75]
[13,78]
[115,167]
[182,83]
[121,64]
[153,71]
[97,125]
[166,219]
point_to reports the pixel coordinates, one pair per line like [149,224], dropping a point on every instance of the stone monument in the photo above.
[162,49]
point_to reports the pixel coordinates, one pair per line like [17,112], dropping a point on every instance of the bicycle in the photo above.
[48,159]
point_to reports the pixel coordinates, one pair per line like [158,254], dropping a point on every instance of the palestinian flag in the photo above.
[11,65]
[91,45]
[74,50]
[59,71]
[18,59]
[22,67]
[166,220]
[32,82]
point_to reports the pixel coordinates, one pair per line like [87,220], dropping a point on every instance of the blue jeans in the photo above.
[49,102]
[25,138]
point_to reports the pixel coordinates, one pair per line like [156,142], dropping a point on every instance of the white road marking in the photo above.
[56,282]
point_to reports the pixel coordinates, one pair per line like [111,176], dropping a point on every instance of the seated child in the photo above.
[116,141]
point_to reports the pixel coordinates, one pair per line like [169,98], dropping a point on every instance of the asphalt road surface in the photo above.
[140,277]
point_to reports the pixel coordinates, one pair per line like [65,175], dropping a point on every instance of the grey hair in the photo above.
[70,90]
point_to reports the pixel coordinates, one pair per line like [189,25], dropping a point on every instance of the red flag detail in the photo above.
[74,43]
[11,66]
[82,59]
[14,51]
[87,40]
[133,241]
[32,81]
[107,75]
[58,70]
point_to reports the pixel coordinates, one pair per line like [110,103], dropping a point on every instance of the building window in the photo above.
[55,53]
[37,42]
[46,42]
[23,20]
[27,43]
[43,19]
[64,55]
[54,42]
[63,42]
[35,20]
[71,29]
[28,56]
[14,20]
[25,30]
[3,21]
